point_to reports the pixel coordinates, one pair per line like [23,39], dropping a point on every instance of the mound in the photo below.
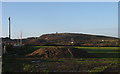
[59,52]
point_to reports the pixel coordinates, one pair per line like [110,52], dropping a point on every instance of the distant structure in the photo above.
[9,27]
[56,32]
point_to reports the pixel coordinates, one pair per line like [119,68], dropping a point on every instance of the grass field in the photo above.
[107,60]
[101,49]
[103,52]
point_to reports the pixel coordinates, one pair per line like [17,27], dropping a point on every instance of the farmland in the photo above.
[106,60]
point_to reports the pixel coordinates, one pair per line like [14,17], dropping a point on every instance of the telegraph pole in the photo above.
[9,28]
[21,39]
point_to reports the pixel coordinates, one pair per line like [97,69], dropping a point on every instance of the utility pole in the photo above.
[21,39]
[9,28]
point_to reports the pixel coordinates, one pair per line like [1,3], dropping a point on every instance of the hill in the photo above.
[73,39]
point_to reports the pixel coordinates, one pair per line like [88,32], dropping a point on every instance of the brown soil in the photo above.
[59,52]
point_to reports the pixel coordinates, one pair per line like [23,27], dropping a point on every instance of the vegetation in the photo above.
[61,65]
[102,63]
[74,39]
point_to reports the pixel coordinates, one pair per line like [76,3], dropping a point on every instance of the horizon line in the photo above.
[62,33]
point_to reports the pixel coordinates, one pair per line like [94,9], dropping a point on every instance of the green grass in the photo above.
[102,52]
[101,49]
[115,48]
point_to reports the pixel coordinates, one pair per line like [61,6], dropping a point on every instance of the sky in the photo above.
[36,18]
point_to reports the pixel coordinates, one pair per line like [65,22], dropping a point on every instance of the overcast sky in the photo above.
[37,18]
